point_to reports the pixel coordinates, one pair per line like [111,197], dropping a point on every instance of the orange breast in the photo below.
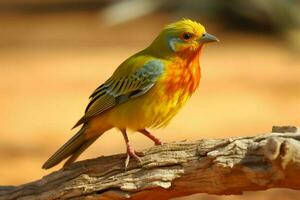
[183,75]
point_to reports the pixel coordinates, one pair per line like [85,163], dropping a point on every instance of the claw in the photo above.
[127,161]
[157,142]
[131,153]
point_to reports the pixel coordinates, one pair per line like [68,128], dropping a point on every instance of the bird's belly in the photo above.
[152,110]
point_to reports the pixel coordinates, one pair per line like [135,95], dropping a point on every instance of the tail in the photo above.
[72,149]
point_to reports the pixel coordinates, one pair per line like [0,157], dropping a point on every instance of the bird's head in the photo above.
[183,36]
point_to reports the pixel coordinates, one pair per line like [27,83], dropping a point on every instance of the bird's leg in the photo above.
[130,151]
[150,136]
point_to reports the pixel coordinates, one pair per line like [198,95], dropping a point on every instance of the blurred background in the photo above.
[54,53]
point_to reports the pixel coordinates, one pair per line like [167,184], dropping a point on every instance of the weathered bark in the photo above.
[214,166]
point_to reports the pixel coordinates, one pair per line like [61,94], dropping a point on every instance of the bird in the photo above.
[145,91]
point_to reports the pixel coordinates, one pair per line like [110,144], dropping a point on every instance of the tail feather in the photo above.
[79,151]
[68,149]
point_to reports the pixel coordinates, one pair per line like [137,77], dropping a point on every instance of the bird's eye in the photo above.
[187,36]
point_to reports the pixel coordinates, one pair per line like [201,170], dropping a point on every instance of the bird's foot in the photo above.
[131,153]
[150,136]
[157,142]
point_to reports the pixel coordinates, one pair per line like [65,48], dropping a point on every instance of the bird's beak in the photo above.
[206,38]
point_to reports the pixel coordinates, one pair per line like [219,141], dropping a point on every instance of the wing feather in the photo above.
[118,90]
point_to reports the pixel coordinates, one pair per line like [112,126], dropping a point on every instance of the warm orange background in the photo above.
[50,63]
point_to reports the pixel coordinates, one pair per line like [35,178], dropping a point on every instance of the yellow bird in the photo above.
[145,91]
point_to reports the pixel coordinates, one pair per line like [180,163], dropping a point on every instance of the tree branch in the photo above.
[214,166]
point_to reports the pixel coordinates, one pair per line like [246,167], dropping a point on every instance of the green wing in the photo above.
[119,90]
